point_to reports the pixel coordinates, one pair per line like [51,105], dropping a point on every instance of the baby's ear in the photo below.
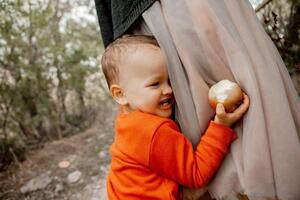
[117,93]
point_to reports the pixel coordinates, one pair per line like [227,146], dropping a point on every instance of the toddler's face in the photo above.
[145,82]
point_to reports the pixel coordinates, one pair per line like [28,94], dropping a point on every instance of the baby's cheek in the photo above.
[150,105]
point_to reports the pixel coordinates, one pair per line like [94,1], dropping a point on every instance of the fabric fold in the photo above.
[208,41]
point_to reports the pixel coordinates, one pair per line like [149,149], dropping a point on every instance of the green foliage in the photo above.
[46,51]
[281,20]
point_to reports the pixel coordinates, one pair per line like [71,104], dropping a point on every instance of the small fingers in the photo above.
[220,110]
[244,106]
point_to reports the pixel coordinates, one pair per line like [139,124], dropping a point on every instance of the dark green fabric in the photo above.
[116,16]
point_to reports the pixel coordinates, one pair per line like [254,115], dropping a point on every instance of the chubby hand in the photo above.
[228,119]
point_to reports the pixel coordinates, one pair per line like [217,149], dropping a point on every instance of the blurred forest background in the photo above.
[50,83]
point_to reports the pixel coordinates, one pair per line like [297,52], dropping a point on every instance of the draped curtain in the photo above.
[210,40]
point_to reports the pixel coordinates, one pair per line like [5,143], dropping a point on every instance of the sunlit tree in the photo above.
[47,50]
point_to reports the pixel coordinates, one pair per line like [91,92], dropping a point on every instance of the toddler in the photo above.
[150,157]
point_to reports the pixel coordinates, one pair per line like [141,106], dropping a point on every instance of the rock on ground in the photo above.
[37,183]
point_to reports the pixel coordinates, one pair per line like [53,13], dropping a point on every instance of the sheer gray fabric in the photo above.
[210,40]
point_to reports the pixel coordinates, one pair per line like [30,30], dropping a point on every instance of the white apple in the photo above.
[227,93]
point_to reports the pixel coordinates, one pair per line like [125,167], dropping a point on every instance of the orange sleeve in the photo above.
[172,155]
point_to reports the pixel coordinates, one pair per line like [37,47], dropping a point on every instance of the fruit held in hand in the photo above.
[227,93]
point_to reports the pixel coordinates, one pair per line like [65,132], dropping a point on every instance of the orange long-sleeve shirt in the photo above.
[150,157]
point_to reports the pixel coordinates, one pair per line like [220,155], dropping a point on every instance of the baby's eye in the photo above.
[154,84]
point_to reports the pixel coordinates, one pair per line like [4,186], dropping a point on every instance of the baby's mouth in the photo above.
[167,102]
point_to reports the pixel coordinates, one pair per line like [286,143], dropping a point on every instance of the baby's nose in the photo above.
[167,90]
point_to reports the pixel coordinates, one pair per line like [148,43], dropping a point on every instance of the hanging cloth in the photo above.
[210,40]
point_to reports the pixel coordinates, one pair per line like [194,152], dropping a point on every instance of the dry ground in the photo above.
[87,154]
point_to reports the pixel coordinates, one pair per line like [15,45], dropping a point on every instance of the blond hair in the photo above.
[119,49]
